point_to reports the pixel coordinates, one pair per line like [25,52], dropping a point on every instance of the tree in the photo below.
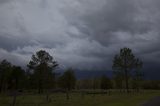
[42,66]
[17,77]
[105,83]
[137,77]
[16,81]
[85,84]
[5,71]
[67,81]
[124,62]
[118,81]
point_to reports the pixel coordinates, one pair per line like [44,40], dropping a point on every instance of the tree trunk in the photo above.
[1,86]
[47,97]
[40,88]
[67,94]
[82,94]
[14,98]
[126,81]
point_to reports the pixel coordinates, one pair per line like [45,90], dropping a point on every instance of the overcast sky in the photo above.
[83,34]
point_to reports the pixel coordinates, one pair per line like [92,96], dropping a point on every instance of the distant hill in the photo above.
[148,75]
[152,75]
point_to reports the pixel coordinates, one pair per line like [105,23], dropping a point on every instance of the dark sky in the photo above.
[83,34]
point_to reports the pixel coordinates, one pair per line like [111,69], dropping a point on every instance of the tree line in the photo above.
[40,75]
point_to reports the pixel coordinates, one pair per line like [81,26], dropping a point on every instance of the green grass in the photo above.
[76,99]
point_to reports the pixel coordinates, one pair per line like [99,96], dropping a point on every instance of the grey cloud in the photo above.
[79,33]
[4,1]
[119,17]
[10,43]
[14,58]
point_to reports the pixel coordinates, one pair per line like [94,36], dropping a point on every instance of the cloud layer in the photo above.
[83,34]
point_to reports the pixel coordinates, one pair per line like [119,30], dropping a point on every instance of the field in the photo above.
[77,99]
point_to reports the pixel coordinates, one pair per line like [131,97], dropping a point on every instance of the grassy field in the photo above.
[76,99]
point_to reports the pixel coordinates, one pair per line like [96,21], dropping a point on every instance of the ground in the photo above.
[77,99]
[153,102]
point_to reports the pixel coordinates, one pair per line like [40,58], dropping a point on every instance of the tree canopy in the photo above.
[67,80]
[42,66]
[124,62]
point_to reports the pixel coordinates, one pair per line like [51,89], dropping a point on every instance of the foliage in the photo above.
[17,78]
[67,80]
[124,62]
[106,83]
[5,71]
[42,64]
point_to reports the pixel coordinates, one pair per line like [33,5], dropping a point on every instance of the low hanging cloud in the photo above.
[83,34]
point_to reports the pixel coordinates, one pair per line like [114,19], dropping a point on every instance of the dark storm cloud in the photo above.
[4,1]
[120,27]
[126,23]
[120,17]
[83,34]
[12,43]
